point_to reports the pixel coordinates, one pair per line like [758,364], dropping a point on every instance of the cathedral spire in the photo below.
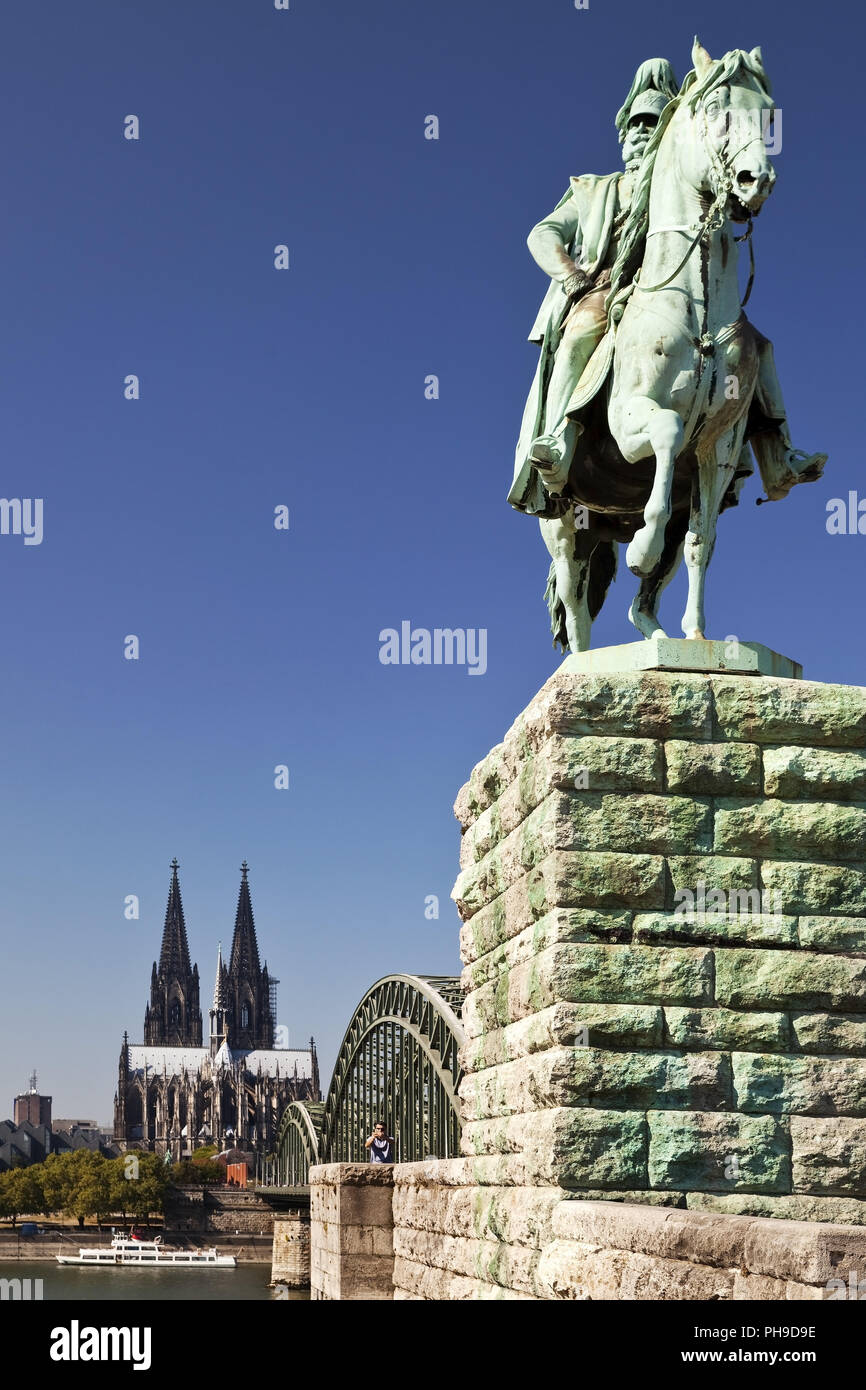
[174,954]
[219,987]
[244,959]
[173,1016]
[248,996]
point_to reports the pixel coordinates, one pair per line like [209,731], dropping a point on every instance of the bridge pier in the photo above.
[291,1254]
[352,1233]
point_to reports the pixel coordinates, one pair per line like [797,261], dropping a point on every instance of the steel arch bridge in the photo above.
[398,1061]
[297,1144]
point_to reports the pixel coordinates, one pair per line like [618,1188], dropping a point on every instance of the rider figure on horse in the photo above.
[576,245]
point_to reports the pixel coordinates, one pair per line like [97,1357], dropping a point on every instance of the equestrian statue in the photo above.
[653,390]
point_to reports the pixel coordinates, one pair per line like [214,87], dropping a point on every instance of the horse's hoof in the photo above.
[642,556]
[646,624]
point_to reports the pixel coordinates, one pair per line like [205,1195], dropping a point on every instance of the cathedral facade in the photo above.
[176,1092]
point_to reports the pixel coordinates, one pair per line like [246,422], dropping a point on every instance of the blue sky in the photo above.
[306,388]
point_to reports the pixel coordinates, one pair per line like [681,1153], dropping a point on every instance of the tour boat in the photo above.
[145,1254]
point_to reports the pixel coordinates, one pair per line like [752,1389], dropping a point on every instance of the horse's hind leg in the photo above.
[716,466]
[650,429]
[571,552]
[643,613]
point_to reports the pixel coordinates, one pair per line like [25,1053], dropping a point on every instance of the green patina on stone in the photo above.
[718,1153]
[601,1149]
[713,769]
[790,830]
[727,1029]
[818,774]
[799,1085]
[815,888]
[828,1033]
[833,933]
[789,980]
[724,928]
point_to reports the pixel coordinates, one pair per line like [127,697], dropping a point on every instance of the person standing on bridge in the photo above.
[380,1144]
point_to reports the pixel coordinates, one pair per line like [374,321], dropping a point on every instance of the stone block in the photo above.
[755,979]
[790,829]
[815,888]
[827,1033]
[572,1270]
[790,712]
[816,773]
[784,1085]
[713,769]
[798,1207]
[724,872]
[828,1155]
[573,1148]
[718,1152]
[833,934]
[804,1252]
[728,1029]
[727,928]
[600,1079]
[667,1232]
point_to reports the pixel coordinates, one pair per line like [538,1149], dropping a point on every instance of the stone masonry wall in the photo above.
[619,1049]
[453,1241]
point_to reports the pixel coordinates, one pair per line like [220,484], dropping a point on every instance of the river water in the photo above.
[63,1282]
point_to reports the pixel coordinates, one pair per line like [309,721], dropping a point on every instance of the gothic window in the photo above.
[245,1015]
[174,1013]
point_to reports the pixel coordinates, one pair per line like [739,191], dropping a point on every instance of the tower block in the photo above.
[663,892]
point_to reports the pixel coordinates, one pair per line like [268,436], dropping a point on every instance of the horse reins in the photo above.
[712,220]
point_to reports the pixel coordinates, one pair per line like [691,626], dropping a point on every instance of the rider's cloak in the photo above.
[582,223]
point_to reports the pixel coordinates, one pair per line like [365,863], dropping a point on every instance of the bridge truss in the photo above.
[398,1062]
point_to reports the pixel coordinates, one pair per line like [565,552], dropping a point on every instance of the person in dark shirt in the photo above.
[380,1144]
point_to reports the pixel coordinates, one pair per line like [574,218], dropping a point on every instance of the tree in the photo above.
[89,1188]
[147,1190]
[21,1192]
[56,1176]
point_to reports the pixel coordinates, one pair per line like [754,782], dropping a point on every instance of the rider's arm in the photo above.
[549,241]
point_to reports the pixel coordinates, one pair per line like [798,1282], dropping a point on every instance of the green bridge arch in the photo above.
[398,1061]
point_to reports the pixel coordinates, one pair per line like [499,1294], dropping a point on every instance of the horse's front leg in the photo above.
[647,428]
[643,613]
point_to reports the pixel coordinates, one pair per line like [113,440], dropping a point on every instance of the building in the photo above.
[31,1107]
[176,1092]
[32,1137]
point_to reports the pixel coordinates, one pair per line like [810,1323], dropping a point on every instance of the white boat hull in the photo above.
[133,1254]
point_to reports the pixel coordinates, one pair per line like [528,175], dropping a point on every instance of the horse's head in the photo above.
[724,117]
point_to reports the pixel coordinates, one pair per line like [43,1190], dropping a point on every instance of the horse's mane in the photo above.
[633,239]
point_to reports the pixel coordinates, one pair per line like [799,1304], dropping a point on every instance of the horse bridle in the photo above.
[714,217]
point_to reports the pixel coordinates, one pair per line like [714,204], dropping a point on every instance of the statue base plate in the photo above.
[684,654]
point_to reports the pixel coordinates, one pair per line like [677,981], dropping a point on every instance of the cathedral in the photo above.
[175,1092]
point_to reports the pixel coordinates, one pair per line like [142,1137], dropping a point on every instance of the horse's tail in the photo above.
[556,609]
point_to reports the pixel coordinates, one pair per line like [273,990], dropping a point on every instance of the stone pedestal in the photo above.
[291,1258]
[663,890]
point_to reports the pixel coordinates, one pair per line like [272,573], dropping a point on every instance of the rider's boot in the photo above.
[551,454]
